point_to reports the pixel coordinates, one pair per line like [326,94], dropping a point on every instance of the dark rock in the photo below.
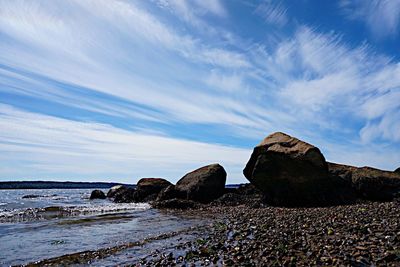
[32,196]
[291,172]
[149,198]
[369,183]
[175,203]
[169,193]
[229,190]
[397,170]
[97,194]
[242,189]
[248,189]
[53,209]
[202,185]
[125,195]
[245,194]
[114,190]
[148,188]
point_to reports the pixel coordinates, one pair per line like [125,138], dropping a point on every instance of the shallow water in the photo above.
[64,221]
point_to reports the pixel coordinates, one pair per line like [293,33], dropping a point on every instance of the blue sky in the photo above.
[117,90]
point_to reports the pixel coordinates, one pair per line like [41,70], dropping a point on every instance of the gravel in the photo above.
[366,234]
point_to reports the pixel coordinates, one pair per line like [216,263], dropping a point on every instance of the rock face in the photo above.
[97,194]
[246,194]
[124,195]
[148,188]
[369,183]
[291,172]
[202,185]
[114,190]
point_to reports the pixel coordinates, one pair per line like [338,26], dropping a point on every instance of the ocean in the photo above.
[56,222]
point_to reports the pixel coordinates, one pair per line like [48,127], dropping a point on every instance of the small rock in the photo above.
[114,190]
[32,196]
[97,194]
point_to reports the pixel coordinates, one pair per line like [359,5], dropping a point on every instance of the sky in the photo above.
[101,90]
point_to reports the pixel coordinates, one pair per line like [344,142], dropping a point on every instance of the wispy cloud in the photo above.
[273,12]
[382,17]
[323,80]
[131,69]
[46,146]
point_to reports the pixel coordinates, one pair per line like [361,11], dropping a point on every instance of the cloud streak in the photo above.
[125,70]
[273,12]
[47,146]
[381,17]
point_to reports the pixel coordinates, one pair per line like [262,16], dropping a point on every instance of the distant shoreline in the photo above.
[57,185]
[9,185]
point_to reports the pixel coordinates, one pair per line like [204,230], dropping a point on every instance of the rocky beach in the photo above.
[363,234]
[253,234]
[297,209]
[200,133]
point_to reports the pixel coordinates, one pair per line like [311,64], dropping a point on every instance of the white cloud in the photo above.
[382,17]
[95,60]
[324,82]
[212,6]
[273,12]
[158,69]
[45,146]
[229,83]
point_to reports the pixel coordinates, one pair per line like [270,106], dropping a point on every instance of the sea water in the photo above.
[55,222]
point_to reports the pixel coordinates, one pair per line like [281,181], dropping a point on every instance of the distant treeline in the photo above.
[56,185]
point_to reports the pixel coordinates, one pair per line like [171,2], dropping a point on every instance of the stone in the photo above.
[169,193]
[369,183]
[114,190]
[397,170]
[175,203]
[202,185]
[32,196]
[147,189]
[291,172]
[97,194]
[125,195]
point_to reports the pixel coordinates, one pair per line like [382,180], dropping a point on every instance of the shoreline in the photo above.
[349,235]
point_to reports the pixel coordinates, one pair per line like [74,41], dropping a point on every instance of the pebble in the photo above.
[365,234]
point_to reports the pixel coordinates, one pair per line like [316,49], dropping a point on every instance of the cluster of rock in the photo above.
[282,170]
[199,186]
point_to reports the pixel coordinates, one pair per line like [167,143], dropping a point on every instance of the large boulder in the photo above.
[148,188]
[397,170]
[369,183]
[97,194]
[291,172]
[202,185]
